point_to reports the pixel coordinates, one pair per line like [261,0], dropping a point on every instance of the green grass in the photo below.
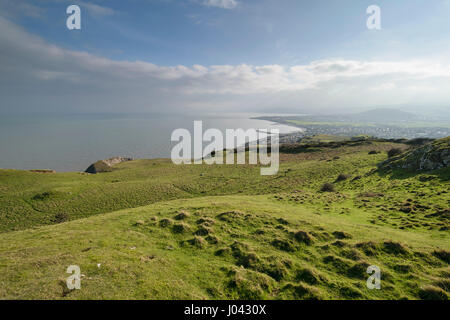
[30,199]
[140,259]
[161,231]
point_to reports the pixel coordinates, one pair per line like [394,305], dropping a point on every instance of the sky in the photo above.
[196,56]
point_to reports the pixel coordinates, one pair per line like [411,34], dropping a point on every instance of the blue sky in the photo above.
[178,41]
[259,32]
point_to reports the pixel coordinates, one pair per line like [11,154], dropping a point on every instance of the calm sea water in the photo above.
[73,142]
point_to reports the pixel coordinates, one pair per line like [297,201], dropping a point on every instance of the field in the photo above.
[153,230]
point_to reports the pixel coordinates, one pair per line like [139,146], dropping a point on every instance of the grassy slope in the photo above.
[28,199]
[256,255]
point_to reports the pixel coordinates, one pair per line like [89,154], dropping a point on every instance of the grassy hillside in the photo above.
[225,232]
[30,199]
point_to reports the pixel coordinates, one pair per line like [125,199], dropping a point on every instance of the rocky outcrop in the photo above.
[432,156]
[106,165]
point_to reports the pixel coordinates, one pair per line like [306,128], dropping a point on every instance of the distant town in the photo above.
[379,123]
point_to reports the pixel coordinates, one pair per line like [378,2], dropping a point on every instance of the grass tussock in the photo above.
[181,228]
[303,237]
[444,255]
[284,245]
[203,231]
[432,293]
[198,242]
[309,276]
[182,215]
[342,235]
[392,247]
[304,291]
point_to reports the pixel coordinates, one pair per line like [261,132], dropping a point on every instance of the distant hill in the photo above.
[383,115]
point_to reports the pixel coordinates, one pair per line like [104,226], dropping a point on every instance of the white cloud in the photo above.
[35,75]
[224,4]
[15,8]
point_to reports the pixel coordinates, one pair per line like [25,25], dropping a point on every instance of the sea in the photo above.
[71,142]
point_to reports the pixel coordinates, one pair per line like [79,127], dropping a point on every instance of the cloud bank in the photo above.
[38,76]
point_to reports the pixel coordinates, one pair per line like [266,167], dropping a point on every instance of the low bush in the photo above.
[394,152]
[61,217]
[328,187]
[342,177]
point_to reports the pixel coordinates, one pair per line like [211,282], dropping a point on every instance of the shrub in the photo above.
[394,152]
[419,141]
[342,177]
[61,217]
[44,195]
[328,187]
[165,223]
[283,221]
